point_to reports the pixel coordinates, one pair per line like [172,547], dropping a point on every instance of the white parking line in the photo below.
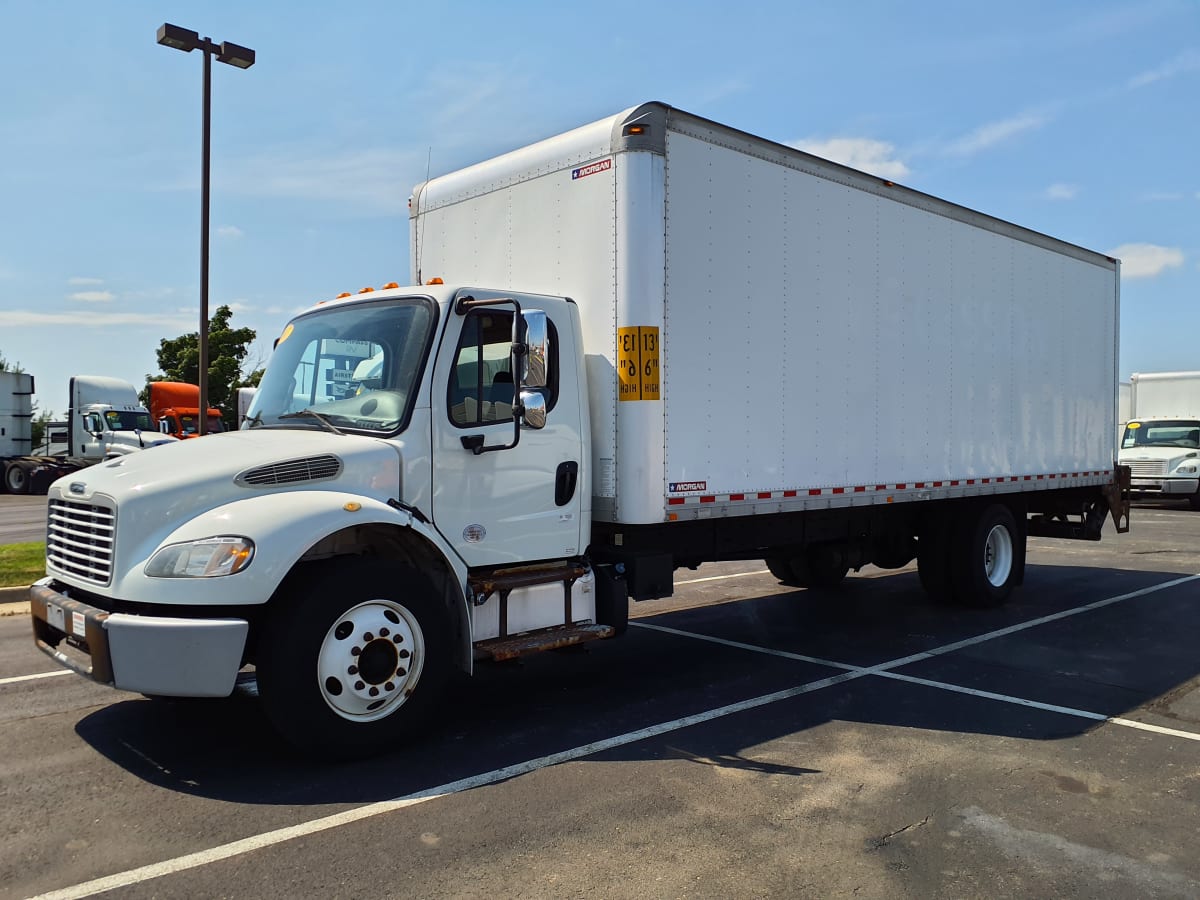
[849,673]
[16,678]
[271,838]
[723,577]
[883,670]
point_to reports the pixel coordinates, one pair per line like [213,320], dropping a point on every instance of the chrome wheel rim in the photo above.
[998,556]
[370,660]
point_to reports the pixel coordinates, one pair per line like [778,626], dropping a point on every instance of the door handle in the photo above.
[565,480]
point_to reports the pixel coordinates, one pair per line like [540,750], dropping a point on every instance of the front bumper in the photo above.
[1167,484]
[172,657]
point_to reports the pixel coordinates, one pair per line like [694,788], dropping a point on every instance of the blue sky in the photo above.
[1077,119]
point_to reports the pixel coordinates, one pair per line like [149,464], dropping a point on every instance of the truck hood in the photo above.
[183,478]
[1172,455]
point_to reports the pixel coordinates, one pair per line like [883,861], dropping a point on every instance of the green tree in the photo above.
[179,360]
[6,366]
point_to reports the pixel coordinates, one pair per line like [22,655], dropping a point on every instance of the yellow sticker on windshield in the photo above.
[287,333]
[1135,424]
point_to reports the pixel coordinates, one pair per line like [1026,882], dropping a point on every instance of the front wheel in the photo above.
[353,659]
[1194,500]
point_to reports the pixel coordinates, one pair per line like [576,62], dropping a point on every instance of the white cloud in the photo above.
[92,296]
[987,136]
[365,178]
[1162,196]
[78,281]
[876,157]
[1188,61]
[230,231]
[1146,260]
[1062,191]
[28,318]
[237,306]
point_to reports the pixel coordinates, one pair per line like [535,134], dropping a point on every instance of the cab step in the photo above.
[500,649]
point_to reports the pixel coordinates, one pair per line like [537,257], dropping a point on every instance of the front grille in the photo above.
[80,539]
[1150,468]
[310,468]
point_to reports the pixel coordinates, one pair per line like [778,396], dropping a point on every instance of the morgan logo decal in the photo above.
[679,487]
[591,169]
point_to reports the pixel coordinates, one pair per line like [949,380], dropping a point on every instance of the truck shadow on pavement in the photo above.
[1095,661]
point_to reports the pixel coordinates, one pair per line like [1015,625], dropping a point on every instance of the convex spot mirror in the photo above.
[534,374]
[534,405]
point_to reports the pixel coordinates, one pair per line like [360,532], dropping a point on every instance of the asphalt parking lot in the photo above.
[744,739]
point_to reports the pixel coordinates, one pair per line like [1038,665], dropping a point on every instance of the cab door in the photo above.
[520,503]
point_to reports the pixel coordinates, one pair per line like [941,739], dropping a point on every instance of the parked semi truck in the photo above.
[24,468]
[645,344]
[175,409]
[104,421]
[1161,444]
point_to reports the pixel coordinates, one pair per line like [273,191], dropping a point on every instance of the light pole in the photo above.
[243,58]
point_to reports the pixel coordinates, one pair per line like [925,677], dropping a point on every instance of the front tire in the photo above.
[353,658]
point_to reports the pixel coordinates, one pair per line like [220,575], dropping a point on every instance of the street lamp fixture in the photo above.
[243,58]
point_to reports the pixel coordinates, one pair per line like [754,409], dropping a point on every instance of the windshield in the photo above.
[358,366]
[123,420]
[1173,433]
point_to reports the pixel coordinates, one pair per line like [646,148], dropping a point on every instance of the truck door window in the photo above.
[481,382]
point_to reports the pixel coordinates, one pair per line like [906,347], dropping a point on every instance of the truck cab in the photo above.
[1163,455]
[374,532]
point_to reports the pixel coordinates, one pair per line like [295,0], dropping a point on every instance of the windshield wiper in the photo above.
[308,413]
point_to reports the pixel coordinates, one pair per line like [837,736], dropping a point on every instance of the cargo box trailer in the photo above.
[645,344]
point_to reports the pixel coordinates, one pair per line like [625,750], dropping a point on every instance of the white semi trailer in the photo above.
[661,342]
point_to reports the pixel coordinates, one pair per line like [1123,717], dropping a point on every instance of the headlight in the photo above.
[1188,469]
[205,558]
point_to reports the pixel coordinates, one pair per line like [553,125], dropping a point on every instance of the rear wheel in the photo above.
[354,659]
[933,559]
[16,479]
[781,568]
[815,567]
[985,561]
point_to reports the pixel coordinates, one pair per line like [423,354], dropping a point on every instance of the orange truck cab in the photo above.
[175,409]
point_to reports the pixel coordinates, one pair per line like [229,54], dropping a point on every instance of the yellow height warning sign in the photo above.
[637,362]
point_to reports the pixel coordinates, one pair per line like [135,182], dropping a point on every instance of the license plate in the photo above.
[56,616]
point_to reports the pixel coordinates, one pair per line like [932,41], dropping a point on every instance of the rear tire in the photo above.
[781,568]
[16,478]
[985,557]
[353,659]
[933,559]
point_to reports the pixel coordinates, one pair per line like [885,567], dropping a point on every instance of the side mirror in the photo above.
[534,406]
[535,374]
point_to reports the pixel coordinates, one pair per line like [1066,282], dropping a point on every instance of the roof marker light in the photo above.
[435,281]
[343,294]
[367,290]
[389,286]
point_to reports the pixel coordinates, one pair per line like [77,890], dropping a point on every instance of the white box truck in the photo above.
[1161,444]
[659,342]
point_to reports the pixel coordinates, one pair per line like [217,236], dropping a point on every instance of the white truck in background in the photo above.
[764,356]
[1161,443]
[104,421]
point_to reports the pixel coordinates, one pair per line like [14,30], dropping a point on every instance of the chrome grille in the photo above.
[1149,468]
[80,539]
[310,468]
